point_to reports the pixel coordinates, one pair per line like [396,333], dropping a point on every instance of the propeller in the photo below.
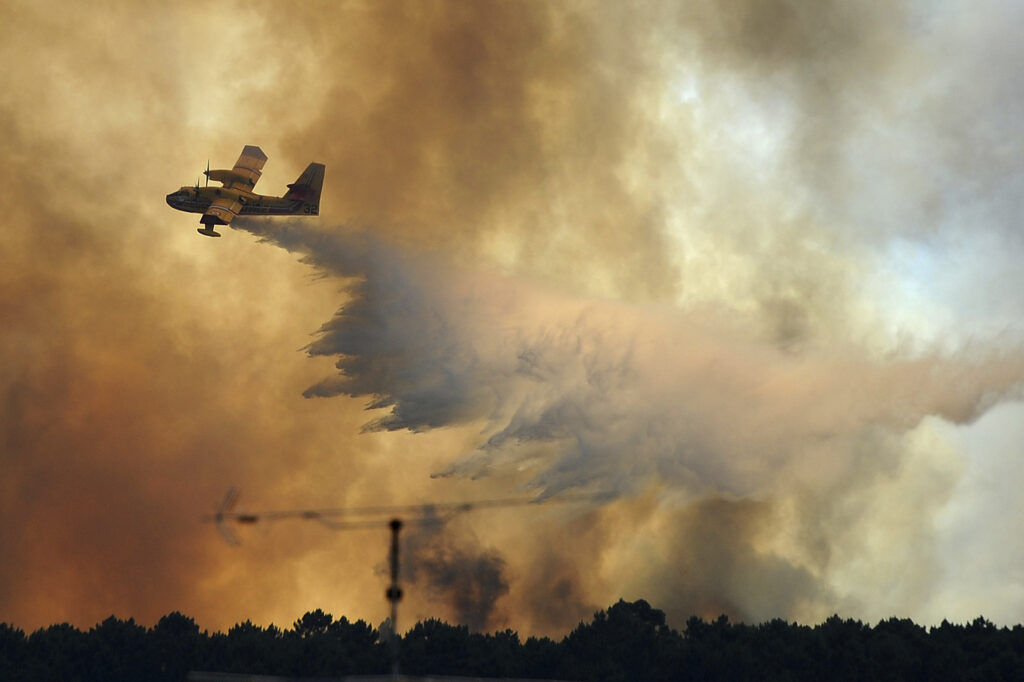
[225,508]
[207,172]
[197,187]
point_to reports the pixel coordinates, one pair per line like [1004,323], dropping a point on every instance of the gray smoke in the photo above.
[455,569]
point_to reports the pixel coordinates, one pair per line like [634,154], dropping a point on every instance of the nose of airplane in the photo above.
[170,202]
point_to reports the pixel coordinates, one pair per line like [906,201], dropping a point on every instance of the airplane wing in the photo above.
[248,168]
[224,209]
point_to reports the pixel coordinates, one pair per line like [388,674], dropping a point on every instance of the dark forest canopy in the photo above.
[628,641]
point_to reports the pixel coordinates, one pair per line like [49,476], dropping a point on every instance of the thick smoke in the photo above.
[589,393]
[744,262]
[455,569]
[540,139]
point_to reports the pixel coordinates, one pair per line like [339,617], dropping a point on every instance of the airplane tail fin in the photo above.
[307,188]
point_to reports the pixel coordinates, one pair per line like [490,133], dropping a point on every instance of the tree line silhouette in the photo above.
[628,641]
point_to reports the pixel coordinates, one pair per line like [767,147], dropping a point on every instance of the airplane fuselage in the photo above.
[198,200]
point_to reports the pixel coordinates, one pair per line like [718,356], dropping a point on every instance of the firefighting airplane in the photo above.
[219,205]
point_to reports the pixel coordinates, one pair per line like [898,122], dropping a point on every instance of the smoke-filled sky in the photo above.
[752,266]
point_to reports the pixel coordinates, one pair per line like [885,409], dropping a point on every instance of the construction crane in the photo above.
[393,517]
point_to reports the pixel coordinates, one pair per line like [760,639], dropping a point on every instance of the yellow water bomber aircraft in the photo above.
[220,205]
